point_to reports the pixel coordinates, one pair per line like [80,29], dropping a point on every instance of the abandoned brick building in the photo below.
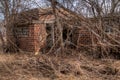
[85,38]
[34,27]
[30,29]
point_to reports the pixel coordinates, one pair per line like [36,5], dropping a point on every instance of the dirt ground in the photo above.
[27,66]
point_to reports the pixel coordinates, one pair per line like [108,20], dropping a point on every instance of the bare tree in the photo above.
[85,12]
[97,9]
[10,9]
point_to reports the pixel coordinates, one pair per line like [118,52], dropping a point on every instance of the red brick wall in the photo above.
[39,36]
[32,41]
[26,43]
[82,37]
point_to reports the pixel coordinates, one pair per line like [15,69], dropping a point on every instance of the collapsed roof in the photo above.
[41,16]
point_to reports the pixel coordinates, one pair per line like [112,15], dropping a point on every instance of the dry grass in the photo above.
[41,67]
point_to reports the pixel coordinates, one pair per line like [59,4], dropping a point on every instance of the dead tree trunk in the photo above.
[2,41]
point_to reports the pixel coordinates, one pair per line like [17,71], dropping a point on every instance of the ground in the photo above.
[27,66]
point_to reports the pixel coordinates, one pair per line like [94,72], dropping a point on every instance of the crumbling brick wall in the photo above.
[34,39]
[81,37]
[40,35]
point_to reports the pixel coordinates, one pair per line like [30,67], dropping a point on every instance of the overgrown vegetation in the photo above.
[69,56]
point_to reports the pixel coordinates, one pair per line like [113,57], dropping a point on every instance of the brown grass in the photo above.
[44,67]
